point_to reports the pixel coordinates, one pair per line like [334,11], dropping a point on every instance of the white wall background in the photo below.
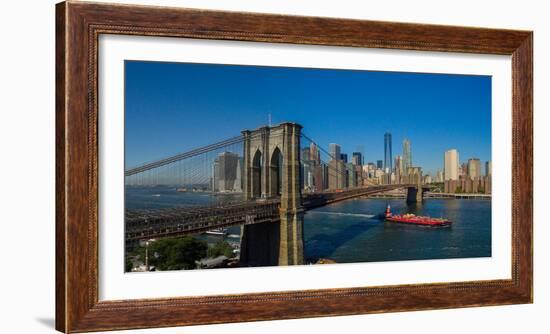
[27,71]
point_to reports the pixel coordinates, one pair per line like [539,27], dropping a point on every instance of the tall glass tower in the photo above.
[407,157]
[387,152]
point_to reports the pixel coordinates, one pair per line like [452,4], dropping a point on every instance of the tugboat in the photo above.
[410,218]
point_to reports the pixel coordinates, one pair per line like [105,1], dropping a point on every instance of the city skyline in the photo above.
[184,99]
[407,148]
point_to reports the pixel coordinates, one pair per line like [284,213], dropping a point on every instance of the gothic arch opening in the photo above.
[257,175]
[276,173]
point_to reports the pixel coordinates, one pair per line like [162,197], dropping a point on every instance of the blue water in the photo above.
[167,197]
[349,231]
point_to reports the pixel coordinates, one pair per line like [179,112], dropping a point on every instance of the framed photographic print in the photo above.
[221,166]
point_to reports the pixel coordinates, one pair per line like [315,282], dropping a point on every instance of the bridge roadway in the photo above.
[457,195]
[148,224]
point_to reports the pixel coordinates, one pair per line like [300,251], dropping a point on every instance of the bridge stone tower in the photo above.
[414,176]
[272,170]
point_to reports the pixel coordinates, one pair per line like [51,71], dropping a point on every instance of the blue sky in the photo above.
[174,107]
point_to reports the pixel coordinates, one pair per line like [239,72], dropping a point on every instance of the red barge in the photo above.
[410,218]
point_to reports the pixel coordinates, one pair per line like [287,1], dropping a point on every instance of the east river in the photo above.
[350,231]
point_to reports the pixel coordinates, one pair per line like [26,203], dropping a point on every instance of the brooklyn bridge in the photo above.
[271,183]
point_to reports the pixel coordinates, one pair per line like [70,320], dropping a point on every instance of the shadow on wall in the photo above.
[48,322]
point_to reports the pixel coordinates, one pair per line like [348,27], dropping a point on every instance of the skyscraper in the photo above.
[407,157]
[439,176]
[398,163]
[215,176]
[306,154]
[379,164]
[427,179]
[357,158]
[387,152]
[351,175]
[344,157]
[334,151]
[451,165]
[228,172]
[238,184]
[474,168]
[306,175]
[463,170]
[336,174]
[488,168]
[314,152]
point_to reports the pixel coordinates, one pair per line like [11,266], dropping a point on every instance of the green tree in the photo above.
[128,265]
[176,253]
[220,248]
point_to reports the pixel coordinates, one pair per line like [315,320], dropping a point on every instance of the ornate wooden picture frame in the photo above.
[78,27]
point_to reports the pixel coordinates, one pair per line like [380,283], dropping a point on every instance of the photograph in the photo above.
[235,166]
[274,167]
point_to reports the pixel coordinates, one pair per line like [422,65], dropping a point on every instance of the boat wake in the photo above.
[347,214]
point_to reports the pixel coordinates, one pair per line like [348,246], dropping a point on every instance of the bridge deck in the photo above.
[457,195]
[181,221]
